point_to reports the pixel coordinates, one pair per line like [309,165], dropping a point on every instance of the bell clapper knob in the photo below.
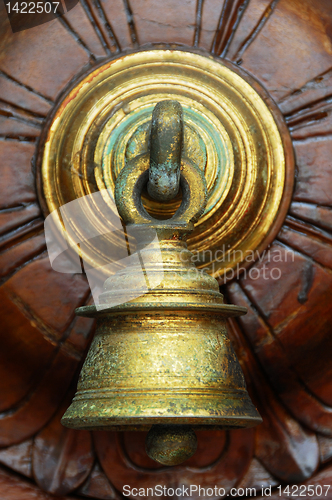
[170,444]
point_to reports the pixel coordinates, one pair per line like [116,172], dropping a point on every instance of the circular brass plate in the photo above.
[233,132]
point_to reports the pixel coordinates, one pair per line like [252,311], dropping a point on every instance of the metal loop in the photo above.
[166,140]
[130,183]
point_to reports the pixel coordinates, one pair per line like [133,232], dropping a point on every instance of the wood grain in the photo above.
[13,487]
[297,32]
[62,458]
[286,449]
[18,457]
[302,404]
[98,486]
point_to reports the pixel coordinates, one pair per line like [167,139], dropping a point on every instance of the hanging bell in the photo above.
[161,359]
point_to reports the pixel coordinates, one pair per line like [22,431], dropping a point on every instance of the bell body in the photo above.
[161,365]
[162,357]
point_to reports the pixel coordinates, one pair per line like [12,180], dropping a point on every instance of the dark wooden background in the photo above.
[284,342]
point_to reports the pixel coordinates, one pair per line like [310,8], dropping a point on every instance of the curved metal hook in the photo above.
[166,140]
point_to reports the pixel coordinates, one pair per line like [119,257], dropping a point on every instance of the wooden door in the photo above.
[284,342]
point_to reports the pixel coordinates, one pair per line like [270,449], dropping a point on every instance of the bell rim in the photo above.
[217,408]
[224,310]
[144,423]
[245,423]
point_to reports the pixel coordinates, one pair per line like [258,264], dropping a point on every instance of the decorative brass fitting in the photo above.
[232,131]
[163,359]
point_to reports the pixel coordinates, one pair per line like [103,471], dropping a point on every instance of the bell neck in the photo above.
[167,266]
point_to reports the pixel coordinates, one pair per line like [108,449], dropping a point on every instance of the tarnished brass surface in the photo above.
[230,133]
[163,357]
[170,444]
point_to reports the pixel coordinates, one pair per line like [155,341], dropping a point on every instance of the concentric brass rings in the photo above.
[232,131]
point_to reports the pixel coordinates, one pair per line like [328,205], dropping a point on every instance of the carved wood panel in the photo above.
[284,342]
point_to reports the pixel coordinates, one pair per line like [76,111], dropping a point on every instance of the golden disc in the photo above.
[233,132]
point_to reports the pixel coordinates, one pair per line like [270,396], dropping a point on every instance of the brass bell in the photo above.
[161,359]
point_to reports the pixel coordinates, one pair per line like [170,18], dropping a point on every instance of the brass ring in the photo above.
[131,180]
